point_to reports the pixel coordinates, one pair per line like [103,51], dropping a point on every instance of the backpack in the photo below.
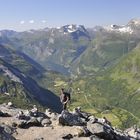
[68,95]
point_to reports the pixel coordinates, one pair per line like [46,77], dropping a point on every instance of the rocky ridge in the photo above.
[22,124]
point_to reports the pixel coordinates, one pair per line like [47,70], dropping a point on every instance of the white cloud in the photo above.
[31,21]
[43,21]
[22,22]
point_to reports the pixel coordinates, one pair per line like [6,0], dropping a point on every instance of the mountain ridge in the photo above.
[91,58]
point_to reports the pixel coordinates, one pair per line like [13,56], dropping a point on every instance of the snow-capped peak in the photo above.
[118,28]
[134,22]
[72,28]
[69,28]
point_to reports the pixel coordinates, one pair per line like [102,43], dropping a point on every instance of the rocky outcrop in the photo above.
[100,130]
[46,122]
[3,114]
[94,128]
[86,125]
[70,119]
[105,132]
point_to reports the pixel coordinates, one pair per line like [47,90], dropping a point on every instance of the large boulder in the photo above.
[39,119]
[105,132]
[3,114]
[67,118]
[100,130]
[21,124]
[81,114]
[32,122]
[26,124]
[134,133]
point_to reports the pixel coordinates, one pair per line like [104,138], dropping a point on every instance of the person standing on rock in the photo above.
[64,98]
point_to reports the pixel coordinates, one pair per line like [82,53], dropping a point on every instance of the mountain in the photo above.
[17,82]
[132,27]
[92,60]
[53,48]
[126,73]
[114,92]
[74,49]
[104,51]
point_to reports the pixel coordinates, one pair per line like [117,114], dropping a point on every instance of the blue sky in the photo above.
[26,14]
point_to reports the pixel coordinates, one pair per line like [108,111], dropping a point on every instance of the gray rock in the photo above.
[81,114]
[27,124]
[67,137]
[21,124]
[105,132]
[101,131]
[46,122]
[54,116]
[67,118]
[32,122]
[40,114]
[39,119]
[2,114]
[93,119]
[138,135]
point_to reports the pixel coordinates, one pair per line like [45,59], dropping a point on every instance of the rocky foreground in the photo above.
[22,124]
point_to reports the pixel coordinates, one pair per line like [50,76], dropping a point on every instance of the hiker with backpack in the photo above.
[64,98]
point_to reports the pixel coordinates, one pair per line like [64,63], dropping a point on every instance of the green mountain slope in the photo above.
[127,71]
[104,51]
[17,80]
[116,90]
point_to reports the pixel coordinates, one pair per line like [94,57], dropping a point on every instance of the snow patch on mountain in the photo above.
[73,28]
[121,29]
[126,29]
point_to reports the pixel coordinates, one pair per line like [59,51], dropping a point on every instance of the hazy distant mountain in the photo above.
[73,48]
